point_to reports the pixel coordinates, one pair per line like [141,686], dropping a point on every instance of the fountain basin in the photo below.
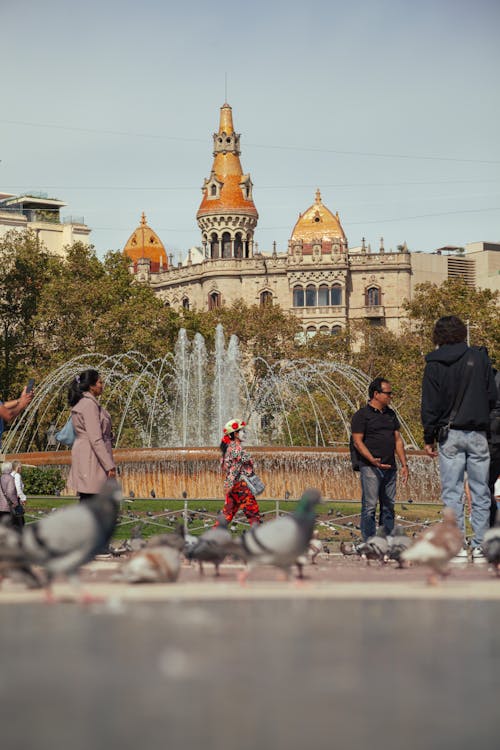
[196,471]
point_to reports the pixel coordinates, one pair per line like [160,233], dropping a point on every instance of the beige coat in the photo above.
[92,454]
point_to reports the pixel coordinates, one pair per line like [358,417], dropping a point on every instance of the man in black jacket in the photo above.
[464,447]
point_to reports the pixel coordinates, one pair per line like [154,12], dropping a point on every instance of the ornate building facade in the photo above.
[323,282]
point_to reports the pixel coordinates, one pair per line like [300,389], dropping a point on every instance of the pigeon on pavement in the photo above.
[436,546]
[315,547]
[282,541]
[152,565]
[212,546]
[491,545]
[375,548]
[65,540]
[398,542]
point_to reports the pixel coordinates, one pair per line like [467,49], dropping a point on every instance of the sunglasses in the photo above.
[386,393]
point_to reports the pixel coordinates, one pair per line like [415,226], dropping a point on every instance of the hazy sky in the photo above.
[391,108]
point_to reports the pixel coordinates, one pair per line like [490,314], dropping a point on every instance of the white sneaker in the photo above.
[461,558]
[478,557]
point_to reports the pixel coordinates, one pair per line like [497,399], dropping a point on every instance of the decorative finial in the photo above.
[318,196]
[143,219]
[363,245]
[274,248]
[382,248]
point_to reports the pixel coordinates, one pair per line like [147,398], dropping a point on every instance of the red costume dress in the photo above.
[235,464]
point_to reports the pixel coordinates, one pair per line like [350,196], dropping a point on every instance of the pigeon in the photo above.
[153,494]
[175,540]
[348,548]
[63,541]
[398,543]
[281,541]
[212,546]
[436,546]
[152,565]
[315,547]
[131,494]
[375,548]
[491,545]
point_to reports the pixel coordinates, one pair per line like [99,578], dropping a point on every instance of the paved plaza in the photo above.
[354,657]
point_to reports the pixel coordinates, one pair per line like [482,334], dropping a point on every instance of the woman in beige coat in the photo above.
[92,453]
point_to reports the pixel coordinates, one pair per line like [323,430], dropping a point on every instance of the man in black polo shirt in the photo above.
[376,437]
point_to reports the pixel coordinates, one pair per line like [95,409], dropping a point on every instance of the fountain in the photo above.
[169,415]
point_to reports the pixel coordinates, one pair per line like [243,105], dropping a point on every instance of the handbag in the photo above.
[254,484]
[444,430]
[18,510]
[66,434]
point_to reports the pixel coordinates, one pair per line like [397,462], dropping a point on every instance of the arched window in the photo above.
[167,303]
[226,245]
[323,296]
[213,190]
[214,300]
[266,299]
[373,296]
[336,294]
[336,330]
[214,246]
[311,296]
[310,332]
[298,296]
[185,303]
[324,329]
[238,246]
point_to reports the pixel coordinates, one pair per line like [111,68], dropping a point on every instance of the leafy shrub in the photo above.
[42,481]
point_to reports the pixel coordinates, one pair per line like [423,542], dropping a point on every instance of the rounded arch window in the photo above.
[185,303]
[323,295]
[310,332]
[336,330]
[214,246]
[373,296]
[266,299]
[298,296]
[336,295]
[324,329]
[226,245]
[311,296]
[238,245]
[213,190]
[214,300]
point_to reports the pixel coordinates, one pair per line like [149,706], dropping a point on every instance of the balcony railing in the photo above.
[374,311]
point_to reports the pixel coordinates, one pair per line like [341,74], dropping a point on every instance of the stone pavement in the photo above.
[352,658]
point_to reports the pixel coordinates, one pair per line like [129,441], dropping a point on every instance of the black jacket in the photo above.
[442,376]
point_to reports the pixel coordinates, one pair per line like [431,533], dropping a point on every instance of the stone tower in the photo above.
[227,216]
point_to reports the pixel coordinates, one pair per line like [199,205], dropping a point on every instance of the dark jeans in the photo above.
[85,496]
[493,476]
[377,485]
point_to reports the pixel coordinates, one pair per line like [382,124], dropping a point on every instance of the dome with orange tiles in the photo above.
[227,189]
[145,243]
[317,223]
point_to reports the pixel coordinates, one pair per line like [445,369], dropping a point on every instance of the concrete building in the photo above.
[42,215]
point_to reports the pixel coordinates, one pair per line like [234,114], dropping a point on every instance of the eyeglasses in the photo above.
[386,393]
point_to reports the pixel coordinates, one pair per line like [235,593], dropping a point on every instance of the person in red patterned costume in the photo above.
[235,463]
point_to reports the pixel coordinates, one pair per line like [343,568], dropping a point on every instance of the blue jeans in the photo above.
[377,485]
[466,451]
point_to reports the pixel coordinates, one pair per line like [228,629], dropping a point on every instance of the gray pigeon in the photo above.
[398,542]
[375,548]
[175,539]
[282,541]
[491,545]
[65,540]
[212,546]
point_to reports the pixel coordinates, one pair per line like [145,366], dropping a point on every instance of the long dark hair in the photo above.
[80,385]
[224,443]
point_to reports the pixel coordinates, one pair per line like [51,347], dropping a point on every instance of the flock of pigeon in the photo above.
[71,537]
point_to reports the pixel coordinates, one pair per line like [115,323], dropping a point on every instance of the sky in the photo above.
[390,107]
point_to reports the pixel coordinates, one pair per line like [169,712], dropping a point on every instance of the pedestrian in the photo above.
[92,452]
[494,446]
[9,499]
[458,393]
[16,472]
[236,462]
[377,441]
